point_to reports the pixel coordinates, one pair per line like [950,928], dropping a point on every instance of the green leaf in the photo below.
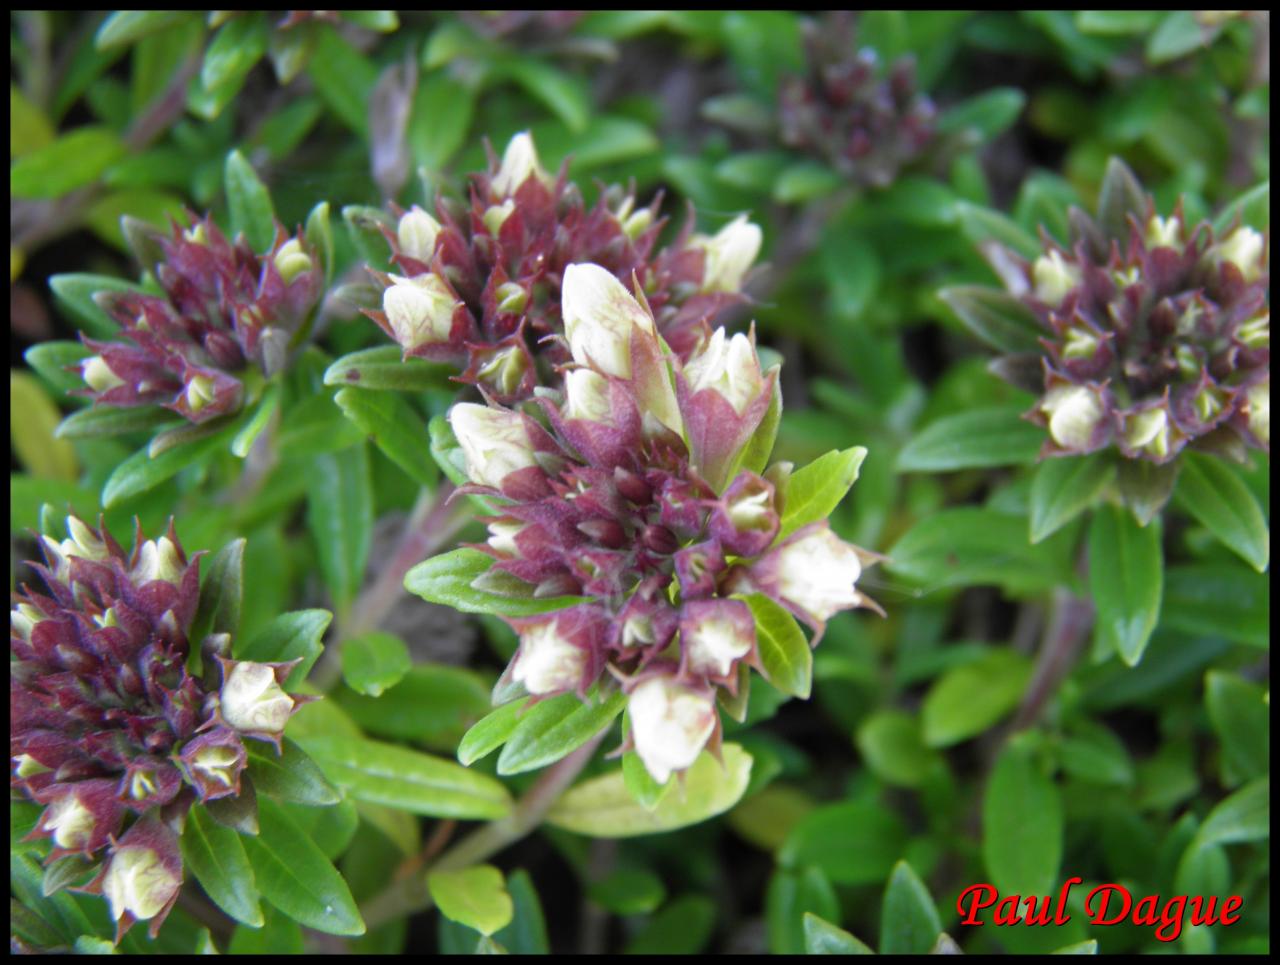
[249,203]
[790,896]
[785,654]
[602,807]
[893,746]
[1126,576]
[29,128]
[564,95]
[853,842]
[981,224]
[1022,827]
[997,436]
[75,293]
[295,876]
[1240,714]
[1243,816]
[142,471]
[1145,487]
[411,781]
[290,775]
[1064,488]
[101,422]
[383,368]
[432,704]
[968,699]
[126,26]
[214,854]
[287,637]
[446,451]
[909,923]
[823,938]
[753,170]
[476,897]
[988,114]
[527,933]
[51,360]
[995,317]
[1178,35]
[556,727]
[1116,21]
[1090,752]
[814,491]
[245,438]
[318,233]
[340,517]
[1218,499]
[221,592]
[393,426]
[683,927]
[1221,599]
[374,661]
[448,579]
[74,160]
[1253,208]
[971,546]
[344,78]
[1089,947]
[640,783]
[804,181]
[235,48]
[443,109]
[628,891]
[755,454]
[32,420]
[490,732]
[279,936]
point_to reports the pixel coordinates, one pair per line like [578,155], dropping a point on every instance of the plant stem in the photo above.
[1068,627]
[410,896]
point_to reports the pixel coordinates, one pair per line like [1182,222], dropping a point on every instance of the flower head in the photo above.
[655,527]
[504,263]
[225,308]
[111,727]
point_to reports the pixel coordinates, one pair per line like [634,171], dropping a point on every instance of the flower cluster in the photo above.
[865,125]
[481,287]
[1157,335]
[631,492]
[111,729]
[224,307]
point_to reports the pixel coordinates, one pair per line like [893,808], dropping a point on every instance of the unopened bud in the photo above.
[141,882]
[1074,412]
[729,253]
[1163,232]
[817,572]
[158,559]
[715,634]
[587,396]
[504,371]
[23,619]
[69,822]
[200,392]
[1054,278]
[670,724]
[97,374]
[1258,403]
[502,536]
[637,223]
[730,367]
[495,442]
[548,662]
[511,297]
[1242,248]
[292,261]
[1080,343]
[419,310]
[600,316]
[519,162]
[252,699]
[416,234]
[1256,332]
[1148,431]
[495,216]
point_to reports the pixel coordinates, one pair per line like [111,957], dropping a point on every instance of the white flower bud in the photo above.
[599,318]
[547,662]
[495,216]
[504,371]
[1256,332]
[670,725]
[419,310]
[587,396]
[511,297]
[83,543]
[138,882]
[200,392]
[502,537]
[1258,400]
[253,701]
[1054,277]
[416,234]
[1243,248]
[158,560]
[218,762]
[1149,430]
[637,223]
[817,573]
[23,619]
[69,821]
[494,441]
[729,253]
[291,260]
[1074,413]
[731,368]
[27,766]
[97,374]
[752,511]
[1080,343]
[518,162]
[1163,232]
[714,640]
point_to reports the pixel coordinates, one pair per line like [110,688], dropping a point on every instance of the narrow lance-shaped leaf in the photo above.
[1022,825]
[556,727]
[983,437]
[249,202]
[490,732]
[216,856]
[1217,498]
[909,921]
[1126,575]
[290,775]
[814,491]
[448,579]
[340,517]
[1064,488]
[393,426]
[383,368]
[823,938]
[784,652]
